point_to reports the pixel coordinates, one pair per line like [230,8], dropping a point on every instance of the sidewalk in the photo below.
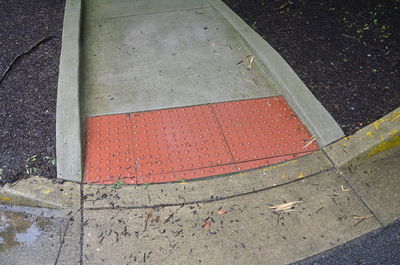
[221,220]
[299,194]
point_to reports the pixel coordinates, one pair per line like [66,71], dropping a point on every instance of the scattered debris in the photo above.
[309,142]
[222,211]
[117,185]
[250,65]
[245,58]
[284,6]
[362,217]
[206,225]
[345,190]
[147,217]
[285,207]
[251,82]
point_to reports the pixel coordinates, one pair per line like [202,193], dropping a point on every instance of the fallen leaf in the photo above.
[206,225]
[343,189]
[285,207]
[362,217]
[148,215]
[244,58]
[222,211]
[250,65]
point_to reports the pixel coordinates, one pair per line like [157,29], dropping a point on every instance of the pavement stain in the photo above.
[20,228]
[385,145]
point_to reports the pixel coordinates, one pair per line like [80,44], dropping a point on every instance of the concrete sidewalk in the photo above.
[334,199]
[220,221]
[158,54]
[162,54]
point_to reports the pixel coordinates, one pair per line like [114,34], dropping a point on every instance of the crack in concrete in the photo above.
[150,13]
[205,201]
[352,188]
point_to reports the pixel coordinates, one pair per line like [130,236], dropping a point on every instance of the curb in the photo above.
[282,76]
[41,192]
[207,189]
[377,137]
[69,140]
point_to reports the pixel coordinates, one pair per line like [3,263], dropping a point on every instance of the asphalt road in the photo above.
[381,247]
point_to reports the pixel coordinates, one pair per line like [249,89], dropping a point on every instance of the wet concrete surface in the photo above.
[30,235]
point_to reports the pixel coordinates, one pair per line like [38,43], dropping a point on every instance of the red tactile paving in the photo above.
[176,140]
[108,149]
[188,174]
[268,161]
[262,128]
[193,142]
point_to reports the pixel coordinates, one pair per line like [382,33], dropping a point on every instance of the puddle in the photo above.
[20,228]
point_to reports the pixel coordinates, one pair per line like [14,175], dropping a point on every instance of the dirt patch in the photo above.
[28,92]
[346,52]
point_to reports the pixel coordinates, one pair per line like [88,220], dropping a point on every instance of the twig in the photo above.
[250,65]
[16,58]
[309,142]
[347,36]
[251,82]
[244,58]
[345,190]
[285,5]
[362,217]
[285,207]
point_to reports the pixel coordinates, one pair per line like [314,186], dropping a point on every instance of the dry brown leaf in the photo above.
[285,207]
[148,215]
[222,211]
[206,225]
[244,58]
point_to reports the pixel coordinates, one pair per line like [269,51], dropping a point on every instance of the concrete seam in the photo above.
[179,107]
[81,226]
[211,199]
[355,192]
[150,13]
[62,243]
[223,135]
[133,147]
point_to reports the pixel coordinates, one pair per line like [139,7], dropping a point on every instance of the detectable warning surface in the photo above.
[193,142]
